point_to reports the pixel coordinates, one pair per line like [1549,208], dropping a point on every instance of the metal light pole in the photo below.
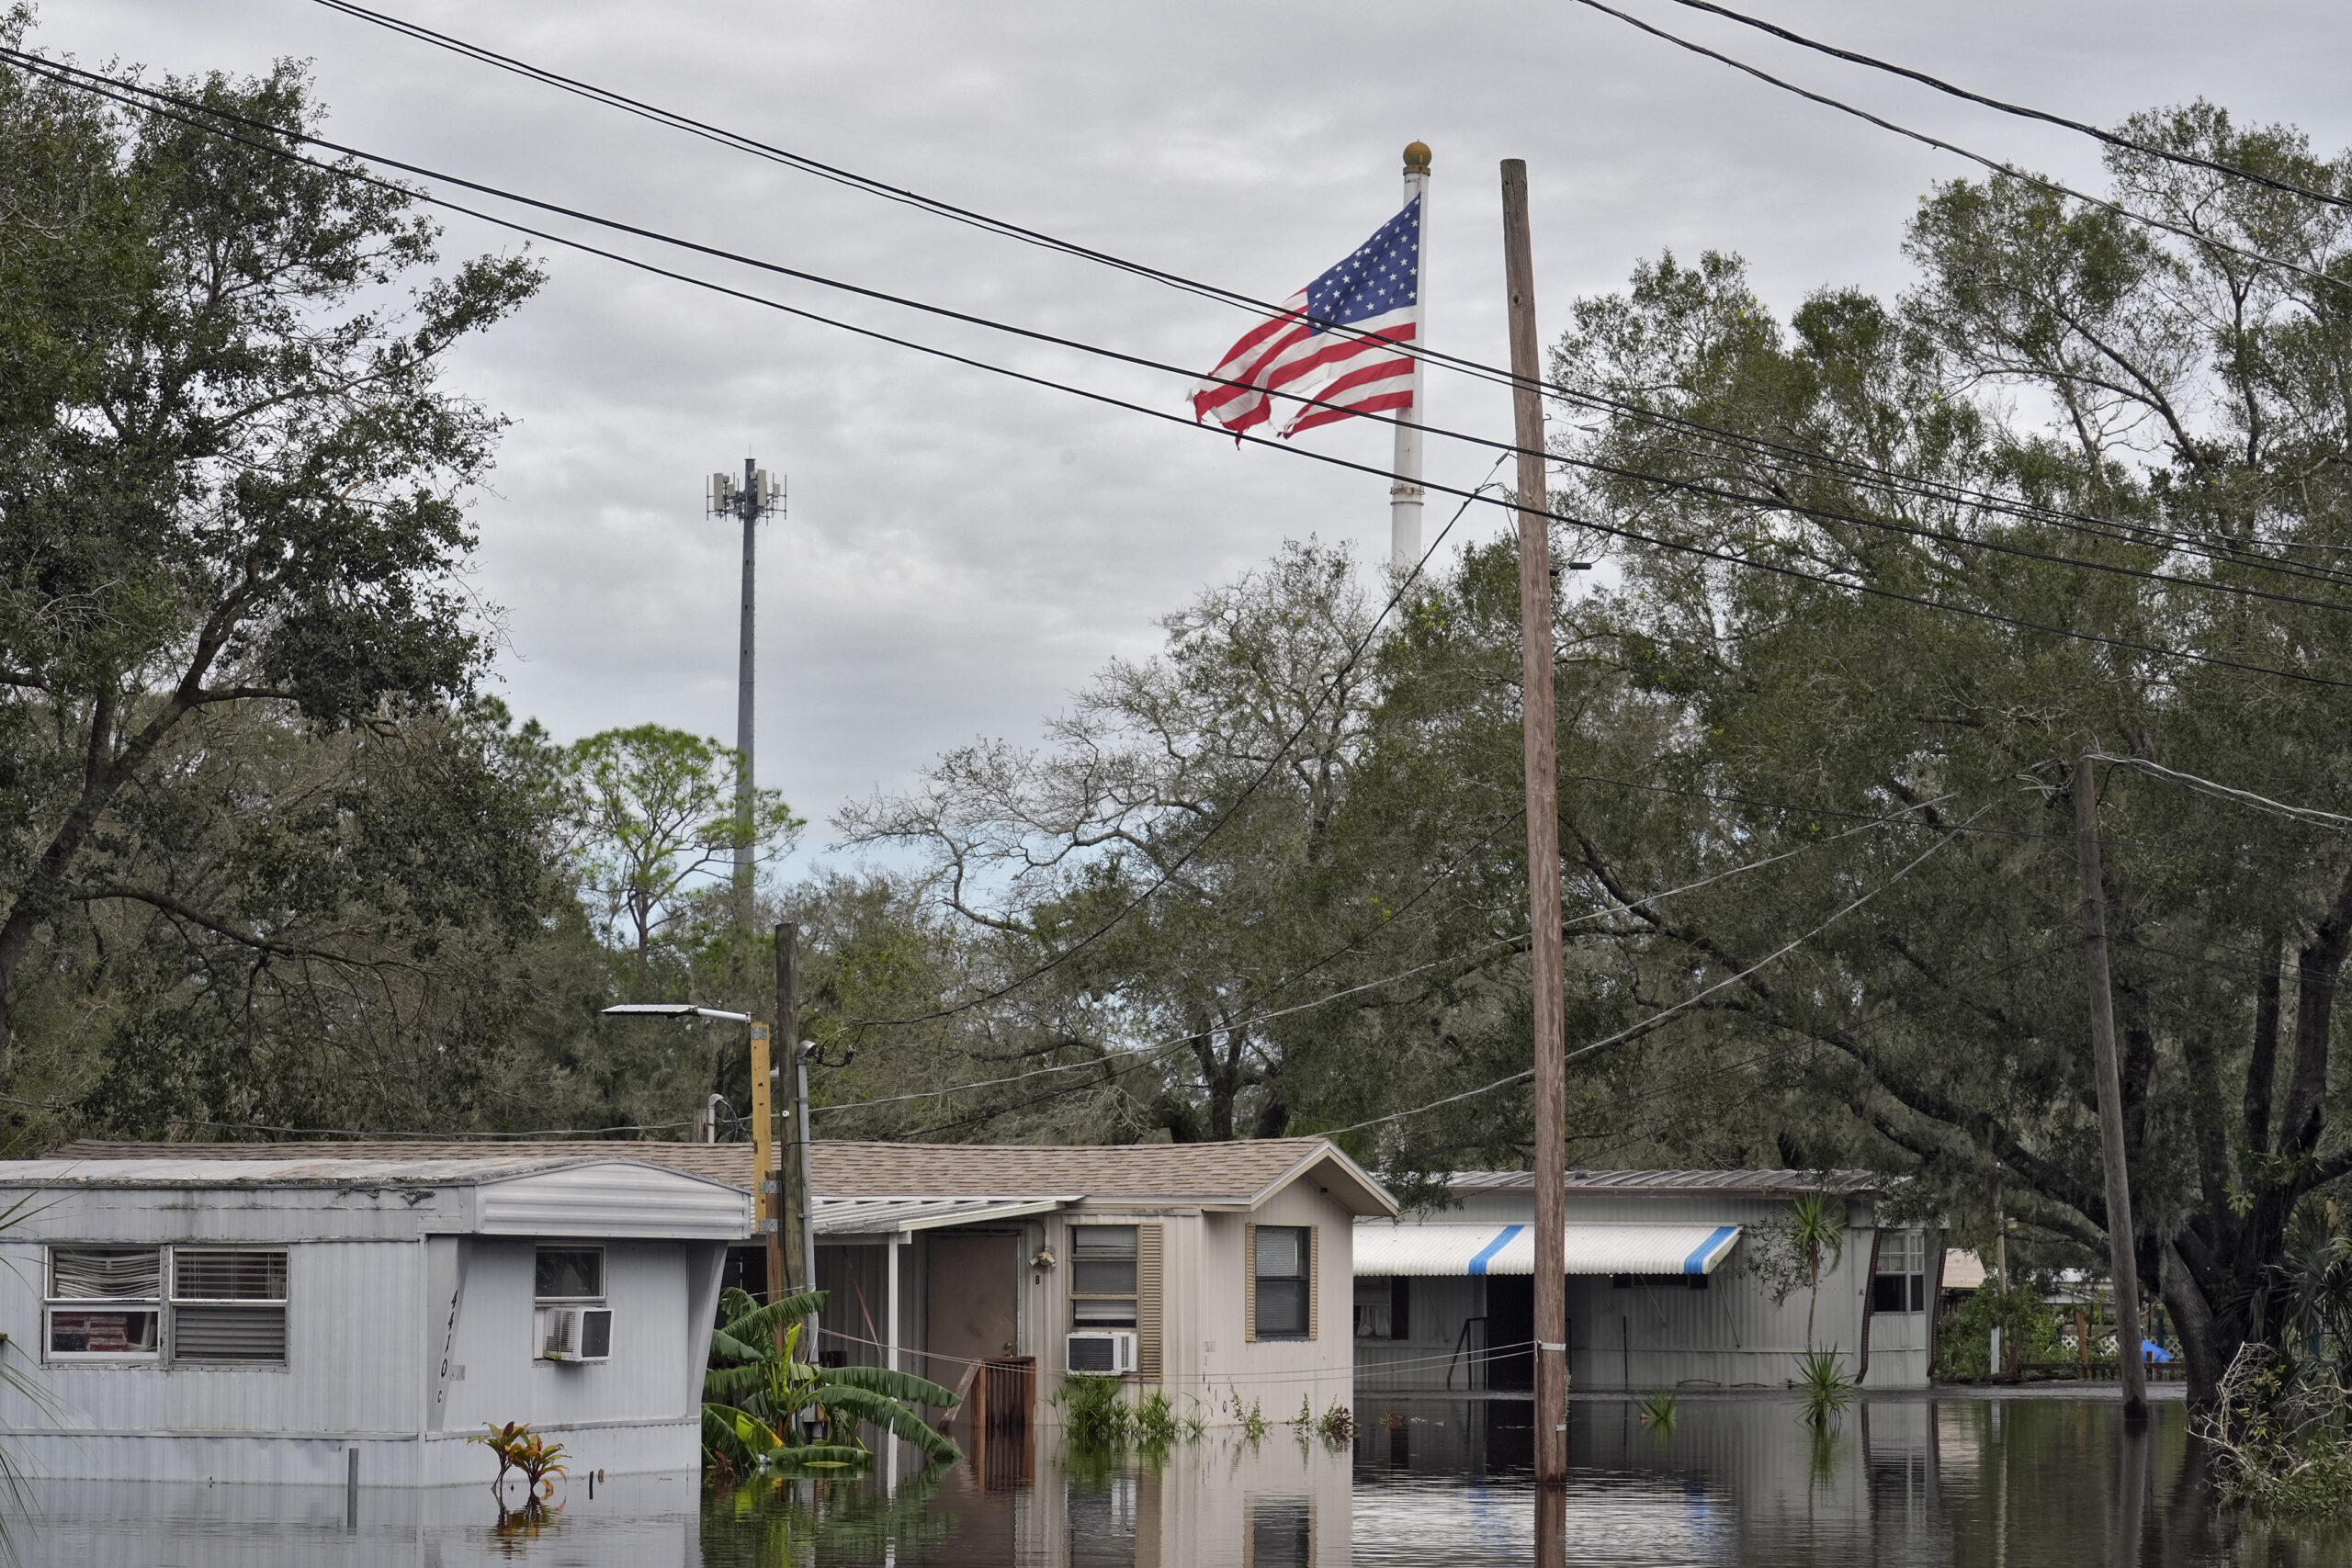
[759,494]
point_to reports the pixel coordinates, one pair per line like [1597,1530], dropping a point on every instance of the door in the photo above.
[971,1297]
[1510,1331]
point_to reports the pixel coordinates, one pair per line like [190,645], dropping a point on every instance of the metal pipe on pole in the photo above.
[2131,1359]
[785,1274]
[1405,495]
[1543,948]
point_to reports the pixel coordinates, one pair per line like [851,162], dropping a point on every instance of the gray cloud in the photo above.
[963,551]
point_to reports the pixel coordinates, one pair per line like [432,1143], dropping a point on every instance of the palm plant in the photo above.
[1821,1376]
[1814,1231]
[760,1394]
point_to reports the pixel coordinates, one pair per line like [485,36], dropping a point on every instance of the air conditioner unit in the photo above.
[576,1334]
[1103,1351]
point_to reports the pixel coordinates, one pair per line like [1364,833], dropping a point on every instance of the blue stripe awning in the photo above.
[1451,1250]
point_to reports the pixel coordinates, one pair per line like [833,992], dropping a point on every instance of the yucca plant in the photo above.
[759,1390]
[1821,1376]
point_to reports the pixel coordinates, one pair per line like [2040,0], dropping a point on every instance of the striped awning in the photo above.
[1453,1250]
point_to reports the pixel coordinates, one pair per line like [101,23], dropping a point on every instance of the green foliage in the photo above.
[760,1394]
[2281,1436]
[231,511]
[1099,1415]
[1337,1425]
[516,1446]
[1827,1390]
[653,814]
[1156,1425]
[1658,1409]
[1791,1253]
[2028,1323]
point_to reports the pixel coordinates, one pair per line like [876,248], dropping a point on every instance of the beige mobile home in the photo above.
[1212,1271]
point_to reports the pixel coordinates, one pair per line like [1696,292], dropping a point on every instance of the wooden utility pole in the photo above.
[2131,1360]
[780,1208]
[1543,957]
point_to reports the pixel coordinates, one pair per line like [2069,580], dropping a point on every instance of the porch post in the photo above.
[890,1295]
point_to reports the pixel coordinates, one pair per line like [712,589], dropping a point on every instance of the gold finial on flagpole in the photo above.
[1416,157]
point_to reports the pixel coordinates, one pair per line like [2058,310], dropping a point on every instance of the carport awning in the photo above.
[840,1217]
[1455,1250]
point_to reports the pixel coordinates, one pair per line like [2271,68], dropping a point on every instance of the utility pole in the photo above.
[785,1180]
[1405,494]
[2131,1359]
[760,495]
[1543,957]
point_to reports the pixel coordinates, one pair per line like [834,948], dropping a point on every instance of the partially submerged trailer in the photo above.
[204,1318]
[1660,1289]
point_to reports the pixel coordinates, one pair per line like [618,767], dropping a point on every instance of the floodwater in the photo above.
[2019,1480]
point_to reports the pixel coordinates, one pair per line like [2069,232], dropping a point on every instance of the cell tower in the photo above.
[756,495]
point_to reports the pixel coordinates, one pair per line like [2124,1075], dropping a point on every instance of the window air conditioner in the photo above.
[1102,1350]
[576,1334]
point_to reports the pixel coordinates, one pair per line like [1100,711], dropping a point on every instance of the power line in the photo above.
[1137,1066]
[1650,1023]
[2113,139]
[2309,816]
[1108,399]
[2009,170]
[987,223]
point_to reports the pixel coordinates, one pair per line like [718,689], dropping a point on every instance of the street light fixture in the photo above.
[767,1200]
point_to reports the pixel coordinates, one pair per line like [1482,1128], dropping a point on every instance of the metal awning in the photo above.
[840,1218]
[1452,1251]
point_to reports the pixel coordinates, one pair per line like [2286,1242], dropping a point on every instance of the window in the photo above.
[1282,1273]
[569,1274]
[227,1306]
[1901,1282]
[105,1302]
[1102,1275]
[1384,1308]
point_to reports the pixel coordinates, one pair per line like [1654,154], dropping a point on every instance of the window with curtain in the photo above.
[223,1306]
[105,1301]
[1102,1275]
[1283,1257]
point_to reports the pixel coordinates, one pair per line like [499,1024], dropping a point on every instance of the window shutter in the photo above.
[1314,1280]
[1148,1274]
[1250,1282]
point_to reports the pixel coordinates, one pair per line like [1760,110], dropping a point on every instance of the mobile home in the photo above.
[1661,1288]
[312,1315]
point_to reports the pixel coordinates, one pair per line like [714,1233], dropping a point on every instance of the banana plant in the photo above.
[759,1390]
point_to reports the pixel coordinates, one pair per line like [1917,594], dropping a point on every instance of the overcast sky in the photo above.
[963,551]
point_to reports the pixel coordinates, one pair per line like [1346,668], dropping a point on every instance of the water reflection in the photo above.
[2016,1482]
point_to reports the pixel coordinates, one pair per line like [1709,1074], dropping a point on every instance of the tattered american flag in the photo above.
[1374,296]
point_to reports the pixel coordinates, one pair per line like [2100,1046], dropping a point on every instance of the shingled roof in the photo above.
[1235,1174]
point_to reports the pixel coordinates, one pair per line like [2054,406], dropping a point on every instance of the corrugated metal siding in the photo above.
[614,1200]
[646,1286]
[351,1358]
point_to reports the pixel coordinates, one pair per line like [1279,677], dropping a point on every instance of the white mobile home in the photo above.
[192,1317]
[1660,1292]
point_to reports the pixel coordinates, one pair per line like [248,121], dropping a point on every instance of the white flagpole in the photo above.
[1405,494]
